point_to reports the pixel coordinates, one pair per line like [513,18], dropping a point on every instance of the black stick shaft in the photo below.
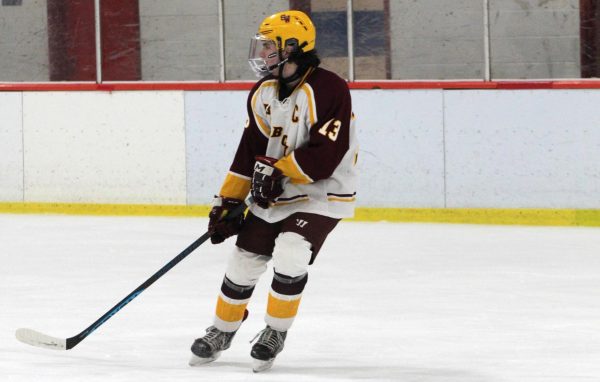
[73,341]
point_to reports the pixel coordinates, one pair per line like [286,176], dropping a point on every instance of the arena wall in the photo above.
[11,147]
[429,39]
[429,149]
[104,147]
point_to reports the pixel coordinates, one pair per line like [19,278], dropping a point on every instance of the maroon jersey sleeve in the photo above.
[252,143]
[329,137]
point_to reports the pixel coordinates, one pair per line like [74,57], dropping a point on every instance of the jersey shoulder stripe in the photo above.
[310,98]
[258,111]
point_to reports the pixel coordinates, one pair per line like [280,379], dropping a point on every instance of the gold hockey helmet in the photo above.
[289,28]
[283,29]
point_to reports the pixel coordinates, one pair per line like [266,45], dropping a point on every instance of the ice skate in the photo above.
[209,347]
[264,351]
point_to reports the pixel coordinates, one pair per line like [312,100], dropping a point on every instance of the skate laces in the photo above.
[215,338]
[270,338]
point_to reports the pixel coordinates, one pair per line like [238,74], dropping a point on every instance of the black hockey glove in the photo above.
[266,181]
[219,227]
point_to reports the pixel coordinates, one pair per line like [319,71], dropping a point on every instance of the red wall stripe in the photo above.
[241,85]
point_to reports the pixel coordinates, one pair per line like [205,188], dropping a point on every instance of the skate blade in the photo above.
[199,361]
[259,365]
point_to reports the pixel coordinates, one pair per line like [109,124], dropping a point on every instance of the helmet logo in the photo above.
[285,18]
[303,26]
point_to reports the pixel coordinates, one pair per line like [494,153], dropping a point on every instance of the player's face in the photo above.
[268,52]
[264,55]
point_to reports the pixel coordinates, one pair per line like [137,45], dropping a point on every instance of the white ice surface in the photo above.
[385,302]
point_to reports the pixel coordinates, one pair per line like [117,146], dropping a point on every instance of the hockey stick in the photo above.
[35,338]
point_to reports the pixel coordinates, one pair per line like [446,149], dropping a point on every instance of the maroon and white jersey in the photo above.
[312,134]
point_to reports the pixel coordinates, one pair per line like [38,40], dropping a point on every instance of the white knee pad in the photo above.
[291,254]
[245,268]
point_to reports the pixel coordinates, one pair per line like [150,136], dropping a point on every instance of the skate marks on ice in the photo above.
[308,371]
[449,303]
[377,373]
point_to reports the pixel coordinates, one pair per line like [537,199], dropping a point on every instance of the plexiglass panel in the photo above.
[433,39]
[47,40]
[242,18]
[179,40]
[534,39]
[371,39]
[330,21]
[589,26]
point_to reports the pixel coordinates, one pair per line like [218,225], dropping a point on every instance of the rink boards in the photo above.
[509,156]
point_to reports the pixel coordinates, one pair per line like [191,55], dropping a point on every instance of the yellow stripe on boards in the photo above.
[541,217]
[105,209]
[230,312]
[282,309]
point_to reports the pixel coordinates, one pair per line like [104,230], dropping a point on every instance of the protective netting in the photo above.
[56,40]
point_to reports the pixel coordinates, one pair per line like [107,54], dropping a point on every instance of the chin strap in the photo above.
[289,79]
[279,64]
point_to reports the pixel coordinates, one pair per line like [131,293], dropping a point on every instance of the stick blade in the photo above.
[34,338]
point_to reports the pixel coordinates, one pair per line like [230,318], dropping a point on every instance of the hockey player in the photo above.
[297,158]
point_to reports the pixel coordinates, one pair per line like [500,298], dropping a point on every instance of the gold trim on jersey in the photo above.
[287,202]
[310,96]
[338,199]
[264,127]
[341,197]
[306,88]
[308,73]
[235,186]
[292,170]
